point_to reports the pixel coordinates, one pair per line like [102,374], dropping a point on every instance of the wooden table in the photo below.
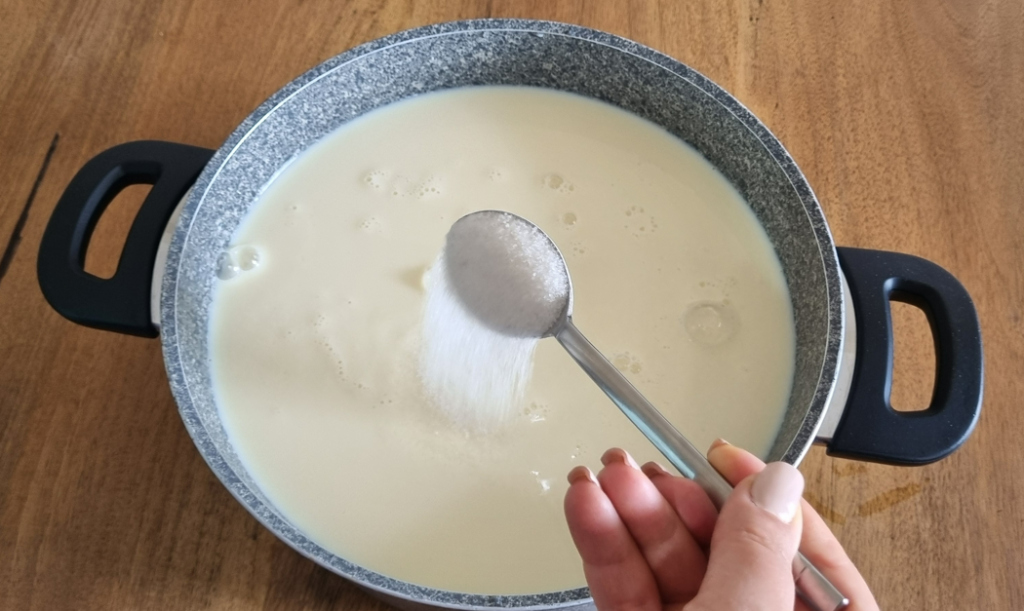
[905,116]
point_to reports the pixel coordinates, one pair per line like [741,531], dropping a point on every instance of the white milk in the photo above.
[315,341]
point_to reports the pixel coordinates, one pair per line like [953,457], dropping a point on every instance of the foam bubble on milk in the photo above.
[497,288]
[401,186]
[556,182]
[236,260]
[710,323]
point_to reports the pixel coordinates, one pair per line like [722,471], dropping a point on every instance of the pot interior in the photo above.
[493,52]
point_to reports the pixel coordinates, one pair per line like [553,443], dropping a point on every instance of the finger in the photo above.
[755,540]
[676,560]
[734,463]
[616,571]
[817,542]
[689,501]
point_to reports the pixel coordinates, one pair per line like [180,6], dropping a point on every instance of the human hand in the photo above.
[650,540]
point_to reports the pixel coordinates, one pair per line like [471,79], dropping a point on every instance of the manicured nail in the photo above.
[717,444]
[777,489]
[653,469]
[581,473]
[616,455]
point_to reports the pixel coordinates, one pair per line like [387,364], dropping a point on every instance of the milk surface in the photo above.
[315,339]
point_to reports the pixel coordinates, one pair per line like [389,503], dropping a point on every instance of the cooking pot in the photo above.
[840,297]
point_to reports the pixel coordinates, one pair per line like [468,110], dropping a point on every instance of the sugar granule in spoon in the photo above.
[497,288]
[507,273]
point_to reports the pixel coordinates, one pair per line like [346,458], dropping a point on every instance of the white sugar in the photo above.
[474,374]
[507,273]
[497,288]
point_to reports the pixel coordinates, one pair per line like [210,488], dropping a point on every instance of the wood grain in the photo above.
[905,117]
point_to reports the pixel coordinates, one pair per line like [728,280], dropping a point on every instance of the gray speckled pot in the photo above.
[512,52]
[507,52]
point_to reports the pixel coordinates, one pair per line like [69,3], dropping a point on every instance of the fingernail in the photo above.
[616,455]
[581,473]
[777,490]
[653,469]
[717,444]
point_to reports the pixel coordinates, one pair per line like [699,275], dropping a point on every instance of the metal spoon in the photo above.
[811,585]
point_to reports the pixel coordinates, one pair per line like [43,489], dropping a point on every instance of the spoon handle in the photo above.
[813,587]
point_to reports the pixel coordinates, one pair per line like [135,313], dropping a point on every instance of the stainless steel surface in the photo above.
[814,589]
[161,260]
[811,585]
[837,402]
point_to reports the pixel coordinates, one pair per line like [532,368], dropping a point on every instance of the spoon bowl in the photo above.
[508,274]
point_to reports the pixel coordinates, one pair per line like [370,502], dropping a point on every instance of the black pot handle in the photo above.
[122,302]
[870,428]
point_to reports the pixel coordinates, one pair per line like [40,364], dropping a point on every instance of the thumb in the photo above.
[754,543]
